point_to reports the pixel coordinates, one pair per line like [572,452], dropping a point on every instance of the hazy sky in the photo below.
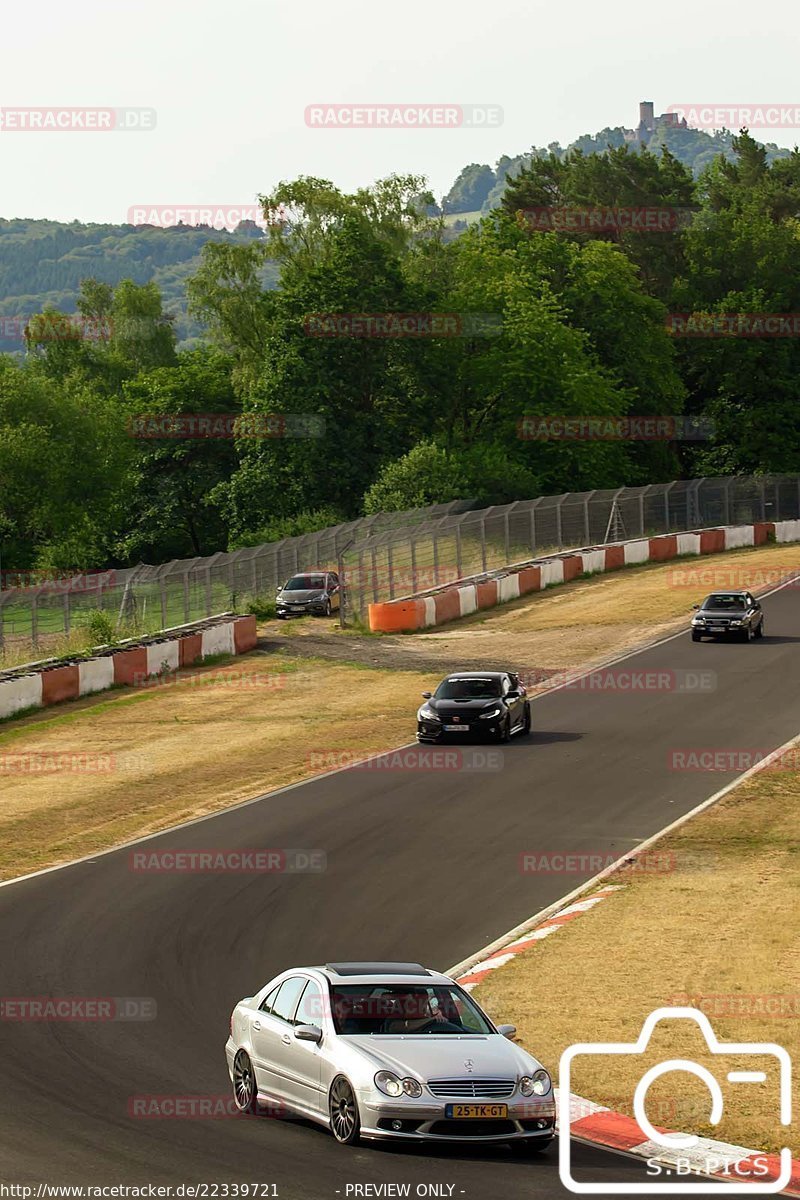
[230,82]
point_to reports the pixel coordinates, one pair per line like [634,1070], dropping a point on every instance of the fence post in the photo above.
[458,551]
[587,531]
[390,569]
[163,588]
[726,489]
[435,561]
[507,535]
[483,543]
[558,520]
[374,576]
[641,514]
[35,621]
[209,593]
[67,614]
[186,606]
[413,563]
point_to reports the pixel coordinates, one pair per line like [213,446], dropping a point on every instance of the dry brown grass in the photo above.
[172,753]
[719,932]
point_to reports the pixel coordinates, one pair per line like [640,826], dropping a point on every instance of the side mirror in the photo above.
[308,1033]
[507,1030]
[696,607]
[513,694]
[427,695]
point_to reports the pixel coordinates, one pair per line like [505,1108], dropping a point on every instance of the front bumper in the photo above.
[315,608]
[721,631]
[424,1120]
[434,731]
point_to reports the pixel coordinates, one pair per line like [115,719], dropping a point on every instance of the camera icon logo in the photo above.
[670,1145]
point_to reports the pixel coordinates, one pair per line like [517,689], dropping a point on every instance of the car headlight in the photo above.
[389,1083]
[698,620]
[493,712]
[427,714]
[537,1084]
[392,1085]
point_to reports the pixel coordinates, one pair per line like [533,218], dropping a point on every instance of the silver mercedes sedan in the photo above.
[386,1050]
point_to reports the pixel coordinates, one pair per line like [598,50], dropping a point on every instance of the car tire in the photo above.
[696,637]
[328,607]
[531,1146]
[747,634]
[343,1112]
[245,1091]
[526,721]
[760,630]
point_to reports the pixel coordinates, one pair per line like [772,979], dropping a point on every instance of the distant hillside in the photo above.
[43,262]
[480,187]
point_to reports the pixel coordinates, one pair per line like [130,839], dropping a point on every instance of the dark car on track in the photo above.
[315,592]
[728,614]
[475,704]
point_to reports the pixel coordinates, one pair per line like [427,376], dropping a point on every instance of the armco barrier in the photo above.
[40,684]
[465,596]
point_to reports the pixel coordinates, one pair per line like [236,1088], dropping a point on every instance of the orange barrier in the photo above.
[572,567]
[763,532]
[662,548]
[244,634]
[128,664]
[712,541]
[397,616]
[190,649]
[486,593]
[448,606]
[615,557]
[530,580]
[61,683]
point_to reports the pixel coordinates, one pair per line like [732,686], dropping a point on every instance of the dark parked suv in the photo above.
[316,592]
[728,614]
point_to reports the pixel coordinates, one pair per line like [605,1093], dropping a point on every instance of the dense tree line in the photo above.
[326,423]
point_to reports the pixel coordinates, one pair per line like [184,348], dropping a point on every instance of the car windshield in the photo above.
[468,689]
[722,600]
[305,583]
[395,1009]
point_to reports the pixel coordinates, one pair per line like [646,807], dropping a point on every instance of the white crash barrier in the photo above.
[95,675]
[468,600]
[739,535]
[163,657]
[688,543]
[23,692]
[637,552]
[507,588]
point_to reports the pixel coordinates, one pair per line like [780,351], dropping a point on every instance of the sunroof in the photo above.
[376,968]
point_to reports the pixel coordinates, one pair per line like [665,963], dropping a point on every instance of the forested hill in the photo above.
[480,187]
[42,264]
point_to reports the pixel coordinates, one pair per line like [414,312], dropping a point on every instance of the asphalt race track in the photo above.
[422,865]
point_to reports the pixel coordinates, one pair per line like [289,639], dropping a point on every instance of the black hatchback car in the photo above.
[728,614]
[315,592]
[475,704]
